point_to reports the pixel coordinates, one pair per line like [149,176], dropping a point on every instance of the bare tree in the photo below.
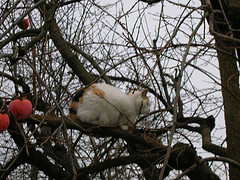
[176,50]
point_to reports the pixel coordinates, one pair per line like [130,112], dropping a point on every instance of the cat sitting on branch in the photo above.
[105,105]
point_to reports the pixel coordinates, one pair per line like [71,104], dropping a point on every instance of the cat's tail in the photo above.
[73,108]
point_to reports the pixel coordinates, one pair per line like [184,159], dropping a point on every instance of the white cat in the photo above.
[103,104]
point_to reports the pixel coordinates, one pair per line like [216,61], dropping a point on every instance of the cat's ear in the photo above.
[144,93]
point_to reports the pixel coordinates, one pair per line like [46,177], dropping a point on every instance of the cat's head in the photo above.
[142,102]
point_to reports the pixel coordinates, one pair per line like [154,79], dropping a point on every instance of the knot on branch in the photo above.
[209,122]
[182,156]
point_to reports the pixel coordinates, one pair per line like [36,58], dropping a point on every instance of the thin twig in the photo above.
[177,97]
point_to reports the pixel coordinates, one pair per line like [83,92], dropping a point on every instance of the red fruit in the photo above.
[20,109]
[4,122]
[23,24]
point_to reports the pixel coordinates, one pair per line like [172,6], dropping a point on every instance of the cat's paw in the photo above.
[124,127]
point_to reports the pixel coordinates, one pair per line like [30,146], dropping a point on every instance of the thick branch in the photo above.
[206,126]
[20,81]
[150,2]
[41,161]
[18,35]
[208,146]
[101,166]
[29,45]
[222,159]
[92,61]
[67,54]
[182,156]
[101,131]
[12,164]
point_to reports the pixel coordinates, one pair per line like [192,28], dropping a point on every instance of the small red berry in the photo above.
[23,24]
[4,122]
[20,109]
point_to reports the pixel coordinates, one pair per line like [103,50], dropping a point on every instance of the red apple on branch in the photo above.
[4,122]
[23,24]
[20,108]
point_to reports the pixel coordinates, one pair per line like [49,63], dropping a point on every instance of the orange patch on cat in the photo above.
[81,99]
[145,98]
[85,91]
[90,88]
[84,94]
[74,107]
[72,116]
[98,92]
[93,86]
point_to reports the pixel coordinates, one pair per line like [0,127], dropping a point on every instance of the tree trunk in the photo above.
[230,91]
[223,23]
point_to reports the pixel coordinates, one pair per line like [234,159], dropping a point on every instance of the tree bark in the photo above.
[223,26]
[230,91]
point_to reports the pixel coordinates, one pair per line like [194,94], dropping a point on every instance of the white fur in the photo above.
[116,108]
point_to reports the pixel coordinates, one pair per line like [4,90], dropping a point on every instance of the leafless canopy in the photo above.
[165,46]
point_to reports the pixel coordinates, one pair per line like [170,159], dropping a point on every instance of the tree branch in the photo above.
[222,159]
[71,59]
[92,61]
[41,161]
[182,156]
[18,35]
